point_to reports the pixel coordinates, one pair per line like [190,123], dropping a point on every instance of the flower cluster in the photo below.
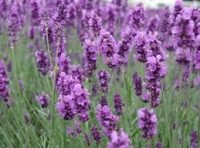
[43,100]
[155,69]
[104,79]
[137,81]
[90,57]
[4,88]
[140,46]
[108,48]
[119,140]
[118,104]
[42,61]
[14,25]
[73,99]
[107,120]
[147,122]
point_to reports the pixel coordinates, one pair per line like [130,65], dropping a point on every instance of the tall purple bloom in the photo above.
[104,78]
[107,120]
[140,44]
[108,49]
[194,139]
[124,45]
[136,17]
[35,9]
[43,100]
[64,63]
[153,24]
[90,57]
[119,140]
[137,81]
[96,135]
[66,107]
[42,61]
[147,122]
[155,69]
[14,24]
[4,87]
[82,102]
[118,104]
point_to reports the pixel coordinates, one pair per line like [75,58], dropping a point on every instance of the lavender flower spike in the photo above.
[119,140]
[147,122]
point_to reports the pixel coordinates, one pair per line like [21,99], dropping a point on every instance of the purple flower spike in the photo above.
[43,100]
[107,120]
[137,81]
[147,122]
[14,24]
[4,87]
[42,61]
[104,79]
[119,140]
[194,139]
[96,134]
[118,104]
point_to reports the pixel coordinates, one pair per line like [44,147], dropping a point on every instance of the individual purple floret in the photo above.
[118,104]
[4,87]
[43,100]
[104,79]
[137,82]
[107,120]
[96,135]
[119,140]
[42,61]
[147,122]
[194,139]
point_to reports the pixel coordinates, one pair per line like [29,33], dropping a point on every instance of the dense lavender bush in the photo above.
[114,74]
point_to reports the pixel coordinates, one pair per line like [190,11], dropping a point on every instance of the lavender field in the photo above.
[99,74]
